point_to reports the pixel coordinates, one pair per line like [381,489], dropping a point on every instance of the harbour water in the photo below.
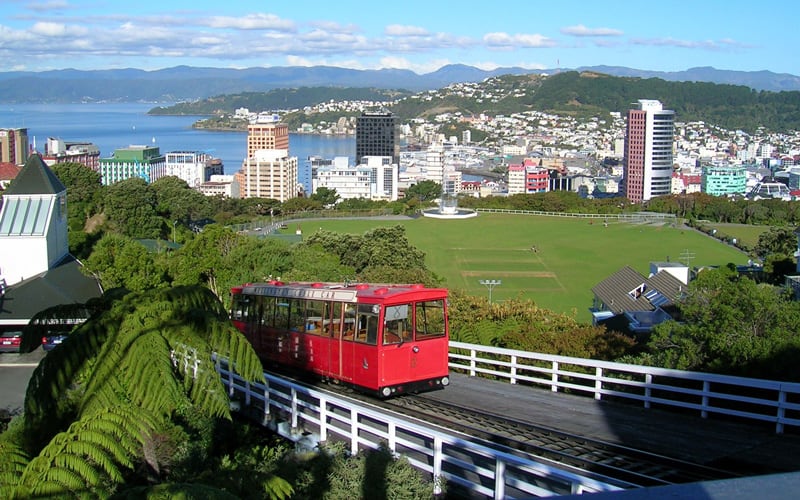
[112,126]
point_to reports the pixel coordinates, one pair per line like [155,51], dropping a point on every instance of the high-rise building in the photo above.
[267,132]
[376,135]
[269,173]
[648,160]
[14,145]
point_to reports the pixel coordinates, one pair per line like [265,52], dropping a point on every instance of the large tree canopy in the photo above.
[733,325]
[130,208]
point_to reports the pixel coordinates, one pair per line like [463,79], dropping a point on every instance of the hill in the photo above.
[182,83]
[583,95]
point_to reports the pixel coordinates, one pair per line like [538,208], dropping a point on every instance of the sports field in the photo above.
[554,261]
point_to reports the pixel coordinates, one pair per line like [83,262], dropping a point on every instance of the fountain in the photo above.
[448,209]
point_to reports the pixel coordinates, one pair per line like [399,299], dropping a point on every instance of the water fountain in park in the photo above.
[448,209]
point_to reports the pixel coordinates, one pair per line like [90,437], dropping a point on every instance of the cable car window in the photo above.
[397,324]
[349,322]
[281,314]
[268,310]
[239,302]
[297,315]
[429,319]
[367,324]
[315,313]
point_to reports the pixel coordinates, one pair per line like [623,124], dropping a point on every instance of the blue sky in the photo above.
[671,35]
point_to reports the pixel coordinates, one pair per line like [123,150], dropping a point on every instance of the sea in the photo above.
[112,126]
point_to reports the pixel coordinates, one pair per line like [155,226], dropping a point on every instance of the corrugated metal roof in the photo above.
[629,291]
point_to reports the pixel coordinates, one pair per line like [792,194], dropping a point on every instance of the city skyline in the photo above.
[422,37]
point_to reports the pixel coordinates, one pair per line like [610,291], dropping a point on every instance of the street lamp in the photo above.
[490,284]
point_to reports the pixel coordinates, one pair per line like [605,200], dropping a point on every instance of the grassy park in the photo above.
[554,261]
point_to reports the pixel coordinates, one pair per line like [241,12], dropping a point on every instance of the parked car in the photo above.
[10,341]
[52,340]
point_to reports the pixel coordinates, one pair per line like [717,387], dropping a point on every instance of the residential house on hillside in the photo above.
[629,301]
[36,268]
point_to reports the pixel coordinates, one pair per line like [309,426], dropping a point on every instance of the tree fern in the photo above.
[13,463]
[125,370]
[87,455]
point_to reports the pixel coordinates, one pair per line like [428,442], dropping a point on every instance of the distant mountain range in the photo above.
[183,83]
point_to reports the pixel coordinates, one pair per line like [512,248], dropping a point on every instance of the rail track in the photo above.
[636,468]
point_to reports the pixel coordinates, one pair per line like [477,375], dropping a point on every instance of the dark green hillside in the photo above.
[582,95]
[728,106]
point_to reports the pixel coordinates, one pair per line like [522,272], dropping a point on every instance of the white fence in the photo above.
[626,216]
[751,399]
[303,414]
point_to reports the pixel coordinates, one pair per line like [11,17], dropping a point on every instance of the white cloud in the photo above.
[251,22]
[50,29]
[48,6]
[404,30]
[501,40]
[581,30]
[713,45]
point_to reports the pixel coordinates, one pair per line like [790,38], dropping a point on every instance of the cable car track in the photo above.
[628,465]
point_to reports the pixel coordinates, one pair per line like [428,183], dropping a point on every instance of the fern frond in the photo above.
[90,453]
[13,461]
[150,375]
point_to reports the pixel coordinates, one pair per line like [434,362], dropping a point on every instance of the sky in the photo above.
[422,36]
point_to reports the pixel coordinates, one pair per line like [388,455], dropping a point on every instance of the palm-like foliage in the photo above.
[93,402]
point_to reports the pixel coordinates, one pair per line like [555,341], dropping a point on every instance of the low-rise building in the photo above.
[724,180]
[221,185]
[145,162]
[193,167]
[57,151]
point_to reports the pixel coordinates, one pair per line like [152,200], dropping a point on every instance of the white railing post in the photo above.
[472,363]
[499,479]
[267,403]
[704,404]
[437,465]
[513,371]
[353,431]
[391,429]
[323,419]
[781,411]
[648,389]
[598,383]
[554,377]
[294,408]
[247,393]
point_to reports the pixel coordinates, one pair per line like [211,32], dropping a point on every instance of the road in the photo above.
[15,372]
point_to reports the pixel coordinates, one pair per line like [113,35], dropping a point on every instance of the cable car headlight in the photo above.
[376,308]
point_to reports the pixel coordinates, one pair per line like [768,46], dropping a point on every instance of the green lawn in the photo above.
[746,233]
[572,255]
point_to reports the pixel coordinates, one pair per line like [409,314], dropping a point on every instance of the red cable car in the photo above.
[381,339]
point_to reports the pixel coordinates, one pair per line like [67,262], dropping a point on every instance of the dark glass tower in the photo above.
[376,135]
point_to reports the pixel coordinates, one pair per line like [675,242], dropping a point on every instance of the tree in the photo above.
[176,201]
[424,191]
[325,196]
[730,324]
[776,247]
[102,406]
[120,262]
[84,191]
[130,208]
[379,247]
